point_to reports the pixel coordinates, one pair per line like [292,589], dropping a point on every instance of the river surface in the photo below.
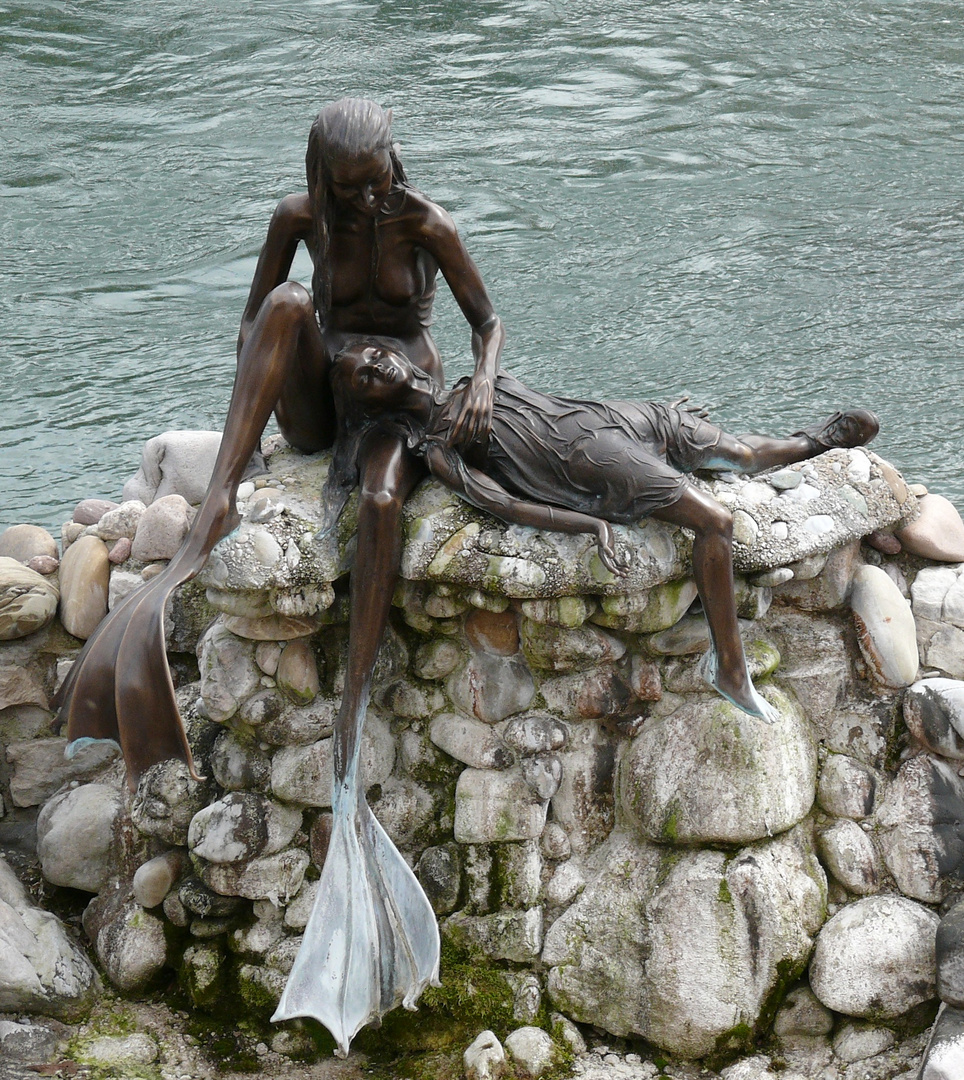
[759,203]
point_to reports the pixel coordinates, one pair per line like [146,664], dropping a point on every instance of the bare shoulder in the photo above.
[293,215]
[432,221]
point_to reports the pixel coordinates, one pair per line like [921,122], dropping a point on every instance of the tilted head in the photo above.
[375,375]
[350,160]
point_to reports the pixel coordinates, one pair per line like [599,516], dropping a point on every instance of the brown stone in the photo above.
[274,627]
[938,533]
[90,511]
[297,673]
[23,542]
[84,580]
[493,632]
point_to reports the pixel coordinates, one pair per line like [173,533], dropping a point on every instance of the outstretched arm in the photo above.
[289,224]
[485,493]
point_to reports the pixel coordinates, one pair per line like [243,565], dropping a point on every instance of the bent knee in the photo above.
[718,520]
[380,499]
[289,298]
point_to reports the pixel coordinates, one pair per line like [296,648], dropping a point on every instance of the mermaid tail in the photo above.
[372,941]
[120,687]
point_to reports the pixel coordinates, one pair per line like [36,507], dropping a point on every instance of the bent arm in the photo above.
[443,242]
[485,493]
[290,223]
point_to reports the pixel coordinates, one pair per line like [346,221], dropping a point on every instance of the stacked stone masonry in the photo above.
[623,847]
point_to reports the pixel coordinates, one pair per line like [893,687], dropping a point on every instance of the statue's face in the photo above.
[381,376]
[363,183]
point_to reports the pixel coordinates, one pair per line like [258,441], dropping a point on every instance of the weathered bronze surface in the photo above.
[377,246]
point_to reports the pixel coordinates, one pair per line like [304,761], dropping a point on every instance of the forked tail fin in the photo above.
[372,941]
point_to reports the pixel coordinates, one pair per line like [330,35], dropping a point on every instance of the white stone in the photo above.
[886,631]
[470,741]
[273,877]
[944,1056]
[178,462]
[25,542]
[75,837]
[131,947]
[849,854]
[583,805]
[484,1059]
[492,687]
[122,584]
[229,673]
[503,935]
[565,885]
[930,587]
[681,947]
[917,824]
[532,1049]
[154,879]
[846,788]
[875,958]
[120,1052]
[934,714]
[802,1014]
[710,773]
[493,807]
[40,969]
[121,522]
[38,767]
[242,826]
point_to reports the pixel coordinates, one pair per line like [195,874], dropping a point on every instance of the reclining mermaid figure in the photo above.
[576,466]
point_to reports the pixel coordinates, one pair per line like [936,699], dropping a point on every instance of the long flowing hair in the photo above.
[348,129]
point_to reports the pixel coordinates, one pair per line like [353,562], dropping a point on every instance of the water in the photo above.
[759,203]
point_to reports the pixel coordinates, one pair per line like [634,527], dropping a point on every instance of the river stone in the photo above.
[875,958]
[493,807]
[919,827]
[846,788]
[241,826]
[38,767]
[229,673]
[849,854]
[558,648]
[238,763]
[75,837]
[130,942]
[492,687]
[90,511]
[684,948]
[565,885]
[802,1014]
[543,774]
[161,529]
[949,950]
[859,1041]
[26,542]
[178,462]
[503,935]
[709,773]
[649,611]
[166,800]
[937,534]
[537,733]
[297,673]
[934,714]
[273,877]
[532,1050]
[303,774]
[944,1056]
[484,1059]
[28,601]
[583,805]
[439,872]
[120,522]
[84,579]
[154,879]
[281,724]
[569,611]
[886,632]
[120,1053]
[41,971]
[470,741]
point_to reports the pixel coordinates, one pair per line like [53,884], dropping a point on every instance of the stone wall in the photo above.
[608,840]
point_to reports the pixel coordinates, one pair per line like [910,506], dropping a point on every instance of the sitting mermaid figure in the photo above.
[576,466]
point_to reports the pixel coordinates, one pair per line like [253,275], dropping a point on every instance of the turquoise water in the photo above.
[758,203]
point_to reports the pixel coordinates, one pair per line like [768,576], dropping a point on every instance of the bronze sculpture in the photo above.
[377,245]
